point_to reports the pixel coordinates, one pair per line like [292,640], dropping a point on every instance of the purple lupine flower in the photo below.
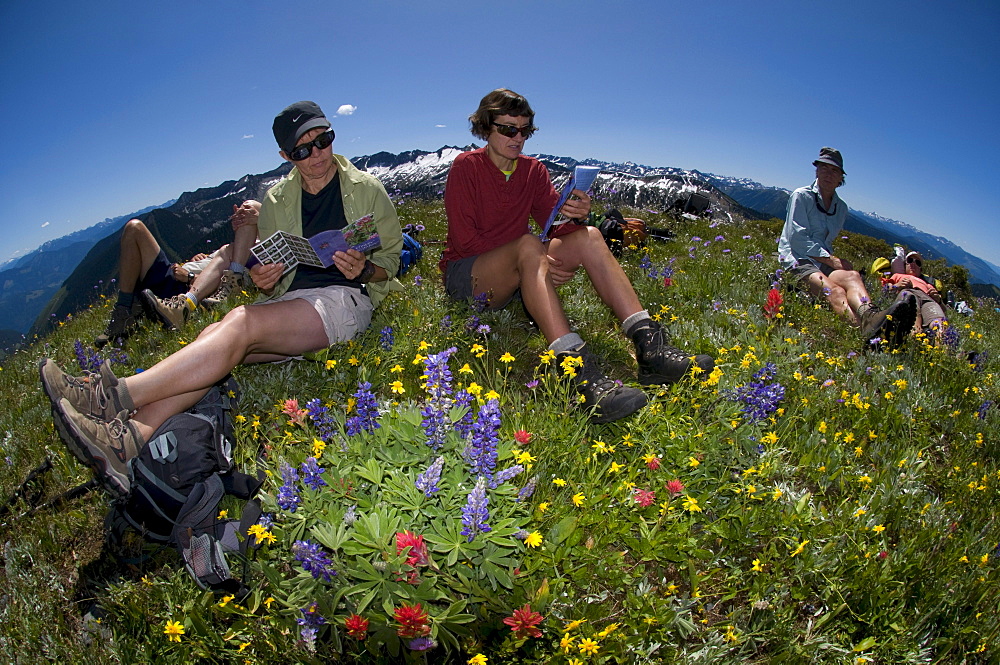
[760,399]
[288,494]
[463,400]
[445,323]
[321,418]
[266,520]
[528,490]
[88,359]
[366,409]
[481,302]
[471,323]
[978,360]
[505,475]
[313,559]
[427,482]
[387,339]
[481,451]
[436,410]
[983,408]
[521,534]
[310,621]
[950,337]
[312,473]
[418,280]
[476,511]
[421,644]
[351,516]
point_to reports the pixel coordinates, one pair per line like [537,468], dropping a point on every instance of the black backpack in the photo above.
[179,478]
[613,230]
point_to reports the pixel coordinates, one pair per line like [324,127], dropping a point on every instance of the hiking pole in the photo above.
[22,491]
[68,495]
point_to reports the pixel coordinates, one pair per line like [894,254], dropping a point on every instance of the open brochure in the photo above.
[290,249]
[582,178]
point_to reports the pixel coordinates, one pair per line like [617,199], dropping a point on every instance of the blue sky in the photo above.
[108,107]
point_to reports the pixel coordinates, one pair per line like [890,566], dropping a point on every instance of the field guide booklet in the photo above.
[290,249]
[582,178]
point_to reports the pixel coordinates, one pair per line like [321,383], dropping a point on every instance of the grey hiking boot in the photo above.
[120,326]
[173,312]
[95,394]
[226,286]
[891,325]
[659,362]
[106,447]
[608,400]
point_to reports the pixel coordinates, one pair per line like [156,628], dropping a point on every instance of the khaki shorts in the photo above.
[344,310]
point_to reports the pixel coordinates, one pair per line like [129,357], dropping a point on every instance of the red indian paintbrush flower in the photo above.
[645,498]
[675,487]
[417,555]
[357,626]
[773,305]
[653,463]
[413,621]
[523,437]
[524,622]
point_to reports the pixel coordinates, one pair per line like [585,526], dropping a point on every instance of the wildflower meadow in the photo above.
[434,493]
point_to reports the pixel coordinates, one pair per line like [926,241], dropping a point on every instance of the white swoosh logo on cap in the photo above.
[296,118]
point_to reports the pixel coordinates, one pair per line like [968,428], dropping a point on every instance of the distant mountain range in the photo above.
[64,275]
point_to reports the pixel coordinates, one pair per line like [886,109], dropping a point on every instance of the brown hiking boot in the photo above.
[94,394]
[226,287]
[120,326]
[106,447]
[173,312]
[891,325]
[608,399]
[660,363]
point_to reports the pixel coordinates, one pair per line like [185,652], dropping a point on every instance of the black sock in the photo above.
[125,299]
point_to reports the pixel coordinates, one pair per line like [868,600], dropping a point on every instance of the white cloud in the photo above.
[45,224]
[248,136]
[440,125]
[347,109]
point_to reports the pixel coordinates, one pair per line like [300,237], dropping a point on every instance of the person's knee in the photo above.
[834,293]
[530,250]
[134,227]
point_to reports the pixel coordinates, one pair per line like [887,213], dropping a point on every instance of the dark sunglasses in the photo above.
[510,131]
[322,141]
[914,259]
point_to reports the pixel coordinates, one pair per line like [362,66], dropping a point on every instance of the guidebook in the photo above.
[290,249]
[582,178]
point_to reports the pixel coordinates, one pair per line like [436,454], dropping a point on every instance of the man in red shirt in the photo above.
[491,254]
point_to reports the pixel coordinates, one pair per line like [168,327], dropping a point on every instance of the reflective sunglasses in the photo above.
[914,259]
[322,141]
[510,131]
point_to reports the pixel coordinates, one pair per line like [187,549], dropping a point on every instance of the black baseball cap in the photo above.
[296,120]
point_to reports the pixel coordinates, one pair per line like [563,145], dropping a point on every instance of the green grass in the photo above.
[857,522]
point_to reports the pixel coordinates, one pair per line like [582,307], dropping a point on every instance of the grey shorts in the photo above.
[344,310]
[458,282]
[802,271]
[929,309]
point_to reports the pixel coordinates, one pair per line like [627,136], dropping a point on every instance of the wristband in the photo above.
[367,272]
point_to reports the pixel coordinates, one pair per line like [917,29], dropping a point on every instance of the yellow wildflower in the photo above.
[578,499]
[174,630]
[559,481]
[506,358]
[534,539]
[397,387]
[478,659]
[589,646]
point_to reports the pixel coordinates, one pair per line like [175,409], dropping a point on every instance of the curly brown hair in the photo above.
[499,102]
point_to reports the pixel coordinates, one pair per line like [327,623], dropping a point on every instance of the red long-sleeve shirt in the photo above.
[486,211]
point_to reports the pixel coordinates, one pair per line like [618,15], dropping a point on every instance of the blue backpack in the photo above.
[412,251]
